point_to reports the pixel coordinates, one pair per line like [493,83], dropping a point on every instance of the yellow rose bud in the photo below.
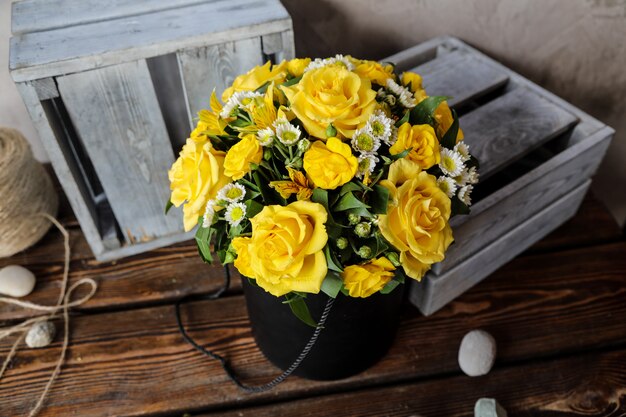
[422,141]
[415,81]
[416,223]
[331,164]
[195,178]
[369,278]
[331,94]
[375,71]
[443,116]
[297,65]
[285,252]
[256,77]
[241,155]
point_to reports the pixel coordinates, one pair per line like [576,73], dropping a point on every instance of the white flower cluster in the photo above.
[238,99]
[319,63]
[229,196]
[404,95]
[367,140]
[286,133]
[458,179]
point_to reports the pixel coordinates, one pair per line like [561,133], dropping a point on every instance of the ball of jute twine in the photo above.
[25,188]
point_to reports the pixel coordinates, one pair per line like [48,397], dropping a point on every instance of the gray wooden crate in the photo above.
[537,155]
[113,88]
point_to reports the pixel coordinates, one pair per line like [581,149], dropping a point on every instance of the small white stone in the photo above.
[477,353]
[41,334]
[488,407]
[16,281]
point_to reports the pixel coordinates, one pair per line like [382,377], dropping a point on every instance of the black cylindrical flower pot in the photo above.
[357,333]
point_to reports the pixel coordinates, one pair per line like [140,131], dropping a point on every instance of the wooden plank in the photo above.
[64,167]
[117,115]
[419,54]
[272,43]
[585,385]
[216,66]
[482,227]
[37,55]
[38,15]
[289,48]
[46,88]
[127,360]
[435,291]
[509,127]
[460,75]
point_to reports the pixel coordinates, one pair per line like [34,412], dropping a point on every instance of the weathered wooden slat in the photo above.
[215,67]
[137,37]
[288,52]
[419,54]
[136,363]
[46,88]
[434,291]
[586,385]
[481,227]
[117,115]
[460,75]
[37,15]
[272,43]
[509,127]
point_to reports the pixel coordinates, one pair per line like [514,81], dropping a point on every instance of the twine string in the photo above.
[230,373]
[62,305]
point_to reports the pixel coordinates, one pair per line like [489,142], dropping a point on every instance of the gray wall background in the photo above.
[575,48]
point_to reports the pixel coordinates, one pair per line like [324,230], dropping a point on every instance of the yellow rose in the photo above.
[444,119]
[369,278]
[331,94]
[241,155]
[417,217]
[375,71]
[415,81]
[195,178]
[423,143]
[297,65]
[256,77]
[331,164]
[285,252]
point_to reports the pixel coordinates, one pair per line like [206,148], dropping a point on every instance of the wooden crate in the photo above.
[537,155]
[113,89]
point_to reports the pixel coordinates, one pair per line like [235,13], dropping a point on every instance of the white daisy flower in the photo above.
[343,60]
[319,63]
[235,213]
[209,213]
[367,163]
[472,175]
[462,179]
[381,93]
[380,126]
[280,121]
[364,141]
[451,163]
[238,99]
[404,94]
[447,185]
[465,194]
[265,136]
[463,150]
[394,136]
[288,133]
[231,193]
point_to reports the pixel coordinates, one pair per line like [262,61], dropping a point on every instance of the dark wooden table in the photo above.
[558,314]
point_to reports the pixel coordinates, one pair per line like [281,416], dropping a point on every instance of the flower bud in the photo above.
[393,258]
[363,229]
[354,218]
[342,243]
[267,154]
[365,252]
[296,163]
[304,145]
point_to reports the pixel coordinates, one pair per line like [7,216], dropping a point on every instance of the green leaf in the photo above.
[203,240]
[294,80]
[240,123]
[262,89]
[349,201]
[360,211]
[423,112]
[301,311]
[400,155]
[331,260]
[331,131]
[404,119]
[379,199]
[253,208]
[332,285]
[390,286]
[168,206]
[449,138]
[348,187]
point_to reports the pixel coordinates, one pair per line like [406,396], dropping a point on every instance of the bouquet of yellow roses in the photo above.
[333,175]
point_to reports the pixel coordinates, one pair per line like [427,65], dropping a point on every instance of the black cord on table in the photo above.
[229,372]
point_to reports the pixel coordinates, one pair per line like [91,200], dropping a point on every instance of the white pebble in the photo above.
[41,334]
[488,407]
[16,281]
[477,353]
